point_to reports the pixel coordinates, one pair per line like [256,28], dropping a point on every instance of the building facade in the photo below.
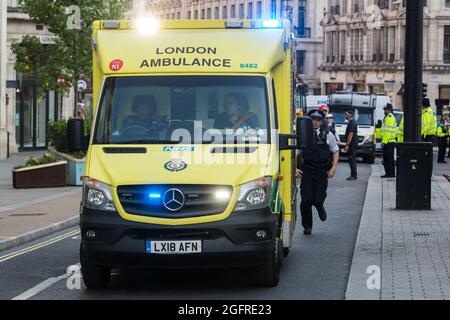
[364,48]
[3,120]
[25,114]
[305,15]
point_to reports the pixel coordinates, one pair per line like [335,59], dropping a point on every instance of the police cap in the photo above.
[316,114]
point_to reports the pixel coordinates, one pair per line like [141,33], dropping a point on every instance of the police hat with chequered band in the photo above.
[316,114]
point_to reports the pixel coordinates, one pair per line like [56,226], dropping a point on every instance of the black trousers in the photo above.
[313,190]
[388,159]
[442,143]
[352,161]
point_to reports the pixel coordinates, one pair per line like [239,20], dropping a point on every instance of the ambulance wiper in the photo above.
[149,141]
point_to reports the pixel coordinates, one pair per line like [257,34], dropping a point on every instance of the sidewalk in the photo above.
[410,248]
[27,214]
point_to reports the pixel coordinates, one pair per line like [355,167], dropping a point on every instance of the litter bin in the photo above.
[414,172]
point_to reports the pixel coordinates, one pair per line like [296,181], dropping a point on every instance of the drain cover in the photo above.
[432,235]
[27,214]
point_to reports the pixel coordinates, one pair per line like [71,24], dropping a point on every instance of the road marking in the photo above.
[40,287]
[38,246]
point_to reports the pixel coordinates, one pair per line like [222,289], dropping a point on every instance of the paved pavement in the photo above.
[317,267]
[409,250]
[26,214]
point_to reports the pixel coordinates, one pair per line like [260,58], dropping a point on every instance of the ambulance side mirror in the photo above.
[305,133]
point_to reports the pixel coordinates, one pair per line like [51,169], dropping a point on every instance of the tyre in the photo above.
[268,274]
[370,159]
[94,276]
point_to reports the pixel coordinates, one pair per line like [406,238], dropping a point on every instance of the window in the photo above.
[258,10]
[301,61]
[130,4]
[233,11]
[274,9]
[447,44]
[174,109]
[241,11]
[302,14]
[208,13]
[224,12]
[216,13]
[250,10]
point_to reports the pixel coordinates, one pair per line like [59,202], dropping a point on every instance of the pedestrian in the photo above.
[315,168]
[351,144]
[332,126]
[429,122]
[325,110]
[388,140]
[443,134]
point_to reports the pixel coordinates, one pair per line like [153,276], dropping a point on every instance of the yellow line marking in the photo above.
[38,246]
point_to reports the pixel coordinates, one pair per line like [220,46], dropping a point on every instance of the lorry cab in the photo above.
[364,106]
[188,161]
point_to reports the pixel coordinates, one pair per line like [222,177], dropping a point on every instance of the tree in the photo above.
[58,66]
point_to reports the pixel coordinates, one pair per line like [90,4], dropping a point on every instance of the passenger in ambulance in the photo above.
[237,114]
[143,121]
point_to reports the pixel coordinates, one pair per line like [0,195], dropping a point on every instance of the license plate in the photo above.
[173,247]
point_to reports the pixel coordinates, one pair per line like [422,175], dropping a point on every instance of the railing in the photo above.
[304,33]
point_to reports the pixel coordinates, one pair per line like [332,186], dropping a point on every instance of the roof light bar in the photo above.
[234,24]
[111,24]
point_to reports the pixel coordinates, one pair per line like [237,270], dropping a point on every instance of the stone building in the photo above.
[305,16]
[24,116]
[364,48]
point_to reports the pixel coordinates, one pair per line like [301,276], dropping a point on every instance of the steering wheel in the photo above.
[138,127]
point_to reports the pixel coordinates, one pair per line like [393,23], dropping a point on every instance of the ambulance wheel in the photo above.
[268,274]
[370,159]
[94,276]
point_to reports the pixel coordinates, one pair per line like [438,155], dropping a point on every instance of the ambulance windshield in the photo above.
[183,109]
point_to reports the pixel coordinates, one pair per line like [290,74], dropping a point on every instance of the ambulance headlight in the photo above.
[97,195]
[147,25]
[254,195]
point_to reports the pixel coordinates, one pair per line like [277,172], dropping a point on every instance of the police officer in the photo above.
[442,134]
[388,140]
[400,131]
[429,122]
[315,170]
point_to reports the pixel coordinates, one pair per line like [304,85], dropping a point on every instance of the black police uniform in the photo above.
[315,166]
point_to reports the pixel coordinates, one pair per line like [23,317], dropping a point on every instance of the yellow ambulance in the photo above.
[190,162]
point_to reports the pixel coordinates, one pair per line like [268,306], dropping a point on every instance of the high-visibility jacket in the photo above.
[443,132]
[429,122]
[389,129]
[400,130]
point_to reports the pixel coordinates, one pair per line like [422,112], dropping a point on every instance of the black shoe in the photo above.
[307,232]
[442,162]
[352,179]
[322,213]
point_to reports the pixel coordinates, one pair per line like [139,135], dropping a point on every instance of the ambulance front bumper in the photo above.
[232,242]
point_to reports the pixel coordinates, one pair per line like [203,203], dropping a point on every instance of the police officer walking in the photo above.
[319,163]
[388,139]
[442,134]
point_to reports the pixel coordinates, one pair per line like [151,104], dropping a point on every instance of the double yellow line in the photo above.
[38,246]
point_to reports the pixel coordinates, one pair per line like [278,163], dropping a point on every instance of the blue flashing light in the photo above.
[271,23]
[154,196]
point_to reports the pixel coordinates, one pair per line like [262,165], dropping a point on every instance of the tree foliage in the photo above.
[71,55]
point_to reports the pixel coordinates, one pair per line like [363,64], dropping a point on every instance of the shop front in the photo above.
[32,116]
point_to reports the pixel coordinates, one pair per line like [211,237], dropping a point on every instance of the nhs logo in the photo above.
[178,148]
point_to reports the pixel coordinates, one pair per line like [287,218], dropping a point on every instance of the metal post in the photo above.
[413,70]
[414,158]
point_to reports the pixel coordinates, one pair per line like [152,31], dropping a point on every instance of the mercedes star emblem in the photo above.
[173,200]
